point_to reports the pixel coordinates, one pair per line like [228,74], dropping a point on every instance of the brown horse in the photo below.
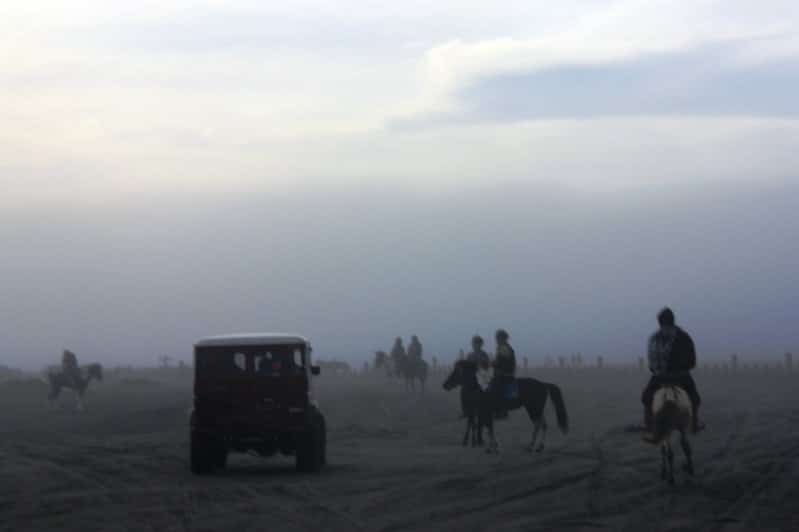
[58,380]
[671,409]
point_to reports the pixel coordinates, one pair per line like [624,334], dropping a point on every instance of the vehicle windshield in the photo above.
[267,361]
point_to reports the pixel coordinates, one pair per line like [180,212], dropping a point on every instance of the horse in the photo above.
[58,380]
[383,362]
[672,412]
[477,411]
[532,395]
[411,369]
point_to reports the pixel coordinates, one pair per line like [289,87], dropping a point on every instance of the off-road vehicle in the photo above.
[253,392]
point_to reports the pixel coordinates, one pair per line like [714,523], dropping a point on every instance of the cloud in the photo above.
[715,79]
[617,35]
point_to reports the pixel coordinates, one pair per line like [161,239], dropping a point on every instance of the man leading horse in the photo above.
[672,356]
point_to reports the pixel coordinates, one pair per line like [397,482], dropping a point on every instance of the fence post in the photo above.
[789,361]
[734,362]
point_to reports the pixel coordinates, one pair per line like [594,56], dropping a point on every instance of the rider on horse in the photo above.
[671,358]
[397,356]
[415,349]
[479,357]
[504,372]
[69,366]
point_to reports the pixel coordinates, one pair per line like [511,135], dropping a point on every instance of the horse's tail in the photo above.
[665,420]
[560,407]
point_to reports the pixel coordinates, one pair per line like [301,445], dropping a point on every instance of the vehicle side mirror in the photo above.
[316,370]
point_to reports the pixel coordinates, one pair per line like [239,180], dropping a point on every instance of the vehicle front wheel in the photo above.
[201,454]
[310,452]
[220,455]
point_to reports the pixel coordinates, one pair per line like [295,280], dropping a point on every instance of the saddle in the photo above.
[511,390]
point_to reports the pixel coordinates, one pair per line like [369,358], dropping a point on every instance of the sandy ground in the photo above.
[396,462]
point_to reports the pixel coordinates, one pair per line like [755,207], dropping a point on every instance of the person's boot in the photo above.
[697,425]
[647,432]
[647,419]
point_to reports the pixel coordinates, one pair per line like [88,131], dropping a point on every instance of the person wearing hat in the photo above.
[504,372]
[479,357]
[672,356]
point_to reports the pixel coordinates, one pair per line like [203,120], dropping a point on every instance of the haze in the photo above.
[357,172]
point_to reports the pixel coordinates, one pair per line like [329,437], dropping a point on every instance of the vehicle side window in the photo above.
[266,364]
[240,361]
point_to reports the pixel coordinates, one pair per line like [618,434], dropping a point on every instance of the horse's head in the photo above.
[460,371]
[95,371]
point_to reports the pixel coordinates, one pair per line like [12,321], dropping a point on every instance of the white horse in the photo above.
[671,410]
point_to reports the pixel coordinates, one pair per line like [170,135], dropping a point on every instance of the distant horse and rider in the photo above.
[485,397]
[73,377]
[409,365]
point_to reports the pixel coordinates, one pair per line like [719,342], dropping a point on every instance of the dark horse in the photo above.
[411,369]
[78,383]
[478,405]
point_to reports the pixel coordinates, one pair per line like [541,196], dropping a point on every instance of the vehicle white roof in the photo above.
[225,340]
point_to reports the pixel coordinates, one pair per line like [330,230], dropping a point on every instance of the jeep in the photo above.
[252,392]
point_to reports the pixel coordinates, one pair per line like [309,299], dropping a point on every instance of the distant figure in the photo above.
[410,366]
[397,356]
[72,377]
[504,373]
[415,348]
[672,356]
[69,367]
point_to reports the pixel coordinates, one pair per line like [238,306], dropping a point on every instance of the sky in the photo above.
[354,171]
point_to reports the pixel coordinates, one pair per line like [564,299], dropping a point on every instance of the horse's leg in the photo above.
[543,434]
[663,471]
[479,428]
[686,449]
[53,395]
[536,428]
[79,398]
[670,454]
[468,431]
[493,443]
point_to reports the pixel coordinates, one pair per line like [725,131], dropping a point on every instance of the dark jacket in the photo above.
[505,361]
[683,354]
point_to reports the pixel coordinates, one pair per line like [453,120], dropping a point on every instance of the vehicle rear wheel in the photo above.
[323,439]
[201,454]
[220,455]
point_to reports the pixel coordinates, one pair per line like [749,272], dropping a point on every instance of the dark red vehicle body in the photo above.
[254,393]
